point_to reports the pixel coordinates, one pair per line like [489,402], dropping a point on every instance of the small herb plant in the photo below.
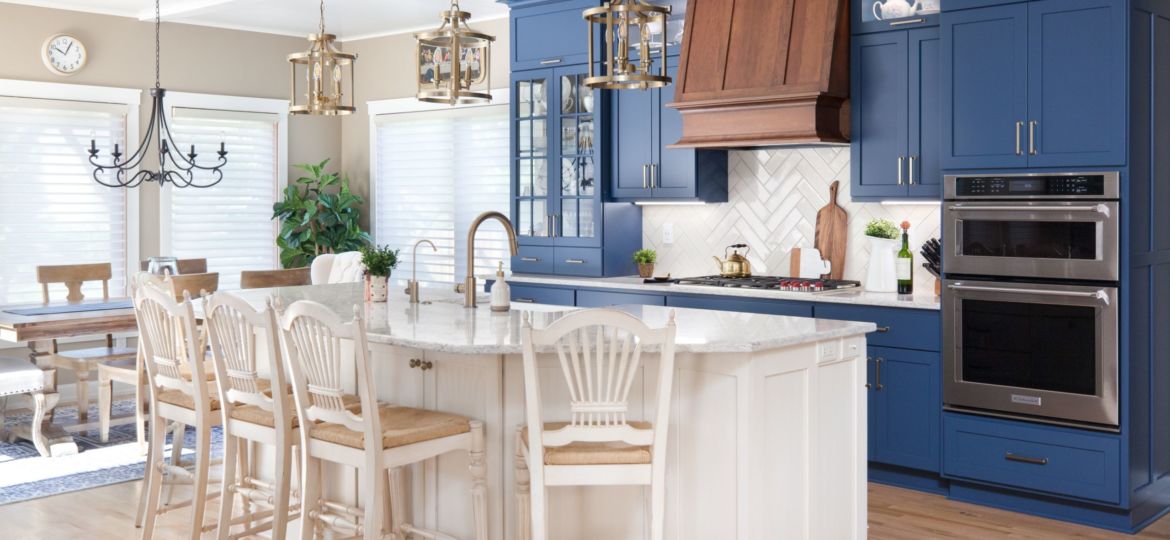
[881,228]
[379,260]
[645,256]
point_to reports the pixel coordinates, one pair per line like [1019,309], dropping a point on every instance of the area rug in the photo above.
[25,475]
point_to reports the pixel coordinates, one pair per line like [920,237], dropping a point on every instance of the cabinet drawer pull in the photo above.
[878,373]
[908,21]
[901,161]
[883,329]
[1025,459]
[575,261]
[530,259]
[551,61]
[1019,148]
[525,300]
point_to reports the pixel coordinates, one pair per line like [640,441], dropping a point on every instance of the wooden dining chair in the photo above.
[263,279]
[599,352]
[378,439]
[82,362]
[186,266]
[195,285]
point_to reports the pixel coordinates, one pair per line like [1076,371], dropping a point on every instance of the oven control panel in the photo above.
[1031,186]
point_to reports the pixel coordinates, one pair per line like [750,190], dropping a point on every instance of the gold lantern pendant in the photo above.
[453,63]
[324,71]
[618,21]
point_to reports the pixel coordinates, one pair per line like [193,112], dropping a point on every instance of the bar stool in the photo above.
[600,353]
[345,429]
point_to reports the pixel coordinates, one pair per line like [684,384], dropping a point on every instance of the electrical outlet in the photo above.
[668,233]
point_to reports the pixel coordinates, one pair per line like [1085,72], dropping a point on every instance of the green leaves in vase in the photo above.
[319,214]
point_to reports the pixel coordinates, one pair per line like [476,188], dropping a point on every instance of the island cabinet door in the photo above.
[905,408]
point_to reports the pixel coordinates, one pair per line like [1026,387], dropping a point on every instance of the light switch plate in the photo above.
[668,233]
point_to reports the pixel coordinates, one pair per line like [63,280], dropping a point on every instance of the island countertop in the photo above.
[444,325]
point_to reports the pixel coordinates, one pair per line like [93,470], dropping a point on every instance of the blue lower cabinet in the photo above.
[745,305]
[534,260]
[904,408]
[1049,459]
[897,327]
[585,262]
[531,294]
[592,299]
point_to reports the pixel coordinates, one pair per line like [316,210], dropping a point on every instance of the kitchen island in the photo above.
[768,420]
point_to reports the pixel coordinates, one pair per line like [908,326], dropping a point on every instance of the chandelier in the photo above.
[182,167]
[626,25]
[324,70]
[453,63]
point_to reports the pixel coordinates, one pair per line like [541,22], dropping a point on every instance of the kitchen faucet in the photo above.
[467,288]
[412,285]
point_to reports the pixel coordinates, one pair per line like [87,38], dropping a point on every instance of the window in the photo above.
[51,209]
[229,224]
[435,171]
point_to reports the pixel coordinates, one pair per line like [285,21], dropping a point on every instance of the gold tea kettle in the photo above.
[736,265]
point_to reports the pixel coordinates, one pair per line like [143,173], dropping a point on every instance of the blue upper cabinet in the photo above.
[1038,84]
[549,33]
[645,167]
[883,15]
[896,115]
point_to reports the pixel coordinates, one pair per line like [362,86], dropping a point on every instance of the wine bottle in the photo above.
[905,263]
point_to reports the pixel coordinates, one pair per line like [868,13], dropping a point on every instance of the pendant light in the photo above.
[626,25]
[453,63]
[322,68]
[173,166]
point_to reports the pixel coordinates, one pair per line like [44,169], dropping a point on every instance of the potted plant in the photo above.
[379,262]
[882,275]
[319,214]
[645,259]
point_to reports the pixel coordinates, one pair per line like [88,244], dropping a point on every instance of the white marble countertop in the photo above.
[856,296]
[444,325]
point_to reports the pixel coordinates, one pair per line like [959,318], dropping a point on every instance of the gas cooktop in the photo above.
[772,283]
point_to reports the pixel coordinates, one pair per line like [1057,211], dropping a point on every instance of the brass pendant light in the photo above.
[322,68]
[620,22]
[453,62]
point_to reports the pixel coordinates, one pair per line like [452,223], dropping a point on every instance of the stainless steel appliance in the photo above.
[1055,226]
[771,283]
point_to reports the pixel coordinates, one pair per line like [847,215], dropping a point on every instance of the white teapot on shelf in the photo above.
[895,9]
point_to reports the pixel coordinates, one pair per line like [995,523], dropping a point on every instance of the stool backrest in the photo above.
[74,276]
[195,285]
[171,344]
[599,352]
[238,334]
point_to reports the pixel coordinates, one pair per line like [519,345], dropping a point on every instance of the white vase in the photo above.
[882,275]
[378,287]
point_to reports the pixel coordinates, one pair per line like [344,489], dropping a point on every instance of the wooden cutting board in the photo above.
[832,233]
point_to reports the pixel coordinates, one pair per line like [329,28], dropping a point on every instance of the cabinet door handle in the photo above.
[868,359]
[525,300]
[530,259]
[1032,137]
[555,222]
[426,365]
[415,362]
[878,373]
[1025,459]
[654,181]
[574,261]
[907,21]
[911,169]
[1019,149]
[883,329]
[901,161]
[551,61]
[645,176]
[548,225]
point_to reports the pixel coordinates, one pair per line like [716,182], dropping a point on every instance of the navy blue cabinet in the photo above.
[548,33]
[1039,84]
[868,16]
[644,165]
[896,115]
[905,408]
[592,299]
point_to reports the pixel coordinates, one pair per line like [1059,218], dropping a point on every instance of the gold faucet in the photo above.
[412,285]
[467,288]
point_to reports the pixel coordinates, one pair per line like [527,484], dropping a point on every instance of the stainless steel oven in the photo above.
[1054,226]
[1038,350]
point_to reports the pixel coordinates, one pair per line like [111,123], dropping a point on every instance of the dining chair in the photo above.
[186,266]
[255,409]
[82,362]
[21,377]
[599,352]
[195,285]
[378,439]
[262,279]
[337,268]
[179,392]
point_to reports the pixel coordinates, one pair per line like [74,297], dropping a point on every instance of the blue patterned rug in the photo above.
[25,475]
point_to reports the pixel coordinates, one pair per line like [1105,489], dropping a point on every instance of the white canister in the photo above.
[501,292]
[882,275]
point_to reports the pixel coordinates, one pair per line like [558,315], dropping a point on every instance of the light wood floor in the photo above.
[894,514]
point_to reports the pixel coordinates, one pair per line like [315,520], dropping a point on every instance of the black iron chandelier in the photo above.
[182,169]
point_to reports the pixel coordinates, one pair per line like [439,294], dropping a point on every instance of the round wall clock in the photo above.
[63,54]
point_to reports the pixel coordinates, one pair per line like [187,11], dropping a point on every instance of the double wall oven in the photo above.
[1030,314]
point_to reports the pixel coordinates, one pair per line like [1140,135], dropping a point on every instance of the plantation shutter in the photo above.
[51,209]
[435,172]
[229,224]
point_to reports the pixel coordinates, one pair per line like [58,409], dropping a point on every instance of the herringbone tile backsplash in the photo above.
[773,202]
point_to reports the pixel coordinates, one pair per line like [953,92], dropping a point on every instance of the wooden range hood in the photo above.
[764,73]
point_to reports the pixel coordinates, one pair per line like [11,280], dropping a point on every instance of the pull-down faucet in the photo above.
[468,285]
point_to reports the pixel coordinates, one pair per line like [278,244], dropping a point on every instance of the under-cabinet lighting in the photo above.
[911,203]
[669,203]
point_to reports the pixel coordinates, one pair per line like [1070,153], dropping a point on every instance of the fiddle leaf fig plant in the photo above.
[319,214]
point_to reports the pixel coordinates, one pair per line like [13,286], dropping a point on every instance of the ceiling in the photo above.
[348,19]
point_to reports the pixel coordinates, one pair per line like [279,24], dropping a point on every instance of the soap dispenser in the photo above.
[501,293]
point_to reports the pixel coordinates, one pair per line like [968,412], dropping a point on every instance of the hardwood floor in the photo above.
[894,514]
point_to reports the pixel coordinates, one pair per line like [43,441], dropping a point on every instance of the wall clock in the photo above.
[64,54]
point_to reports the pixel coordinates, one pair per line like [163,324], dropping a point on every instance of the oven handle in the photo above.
[1098,208]
[1099,294]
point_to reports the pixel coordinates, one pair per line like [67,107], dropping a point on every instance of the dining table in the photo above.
[38,326]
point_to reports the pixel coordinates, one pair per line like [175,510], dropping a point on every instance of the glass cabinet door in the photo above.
[532,212]
[578,205]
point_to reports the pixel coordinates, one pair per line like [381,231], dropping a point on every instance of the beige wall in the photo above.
[195,59]
[383,72]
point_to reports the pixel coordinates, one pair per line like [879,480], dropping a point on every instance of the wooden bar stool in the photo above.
[263,279]
[255,409]
[599,353]
[179,392]
[358,431]
[82,362]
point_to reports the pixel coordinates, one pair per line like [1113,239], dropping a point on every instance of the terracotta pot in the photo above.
[646,270]
[377,287]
